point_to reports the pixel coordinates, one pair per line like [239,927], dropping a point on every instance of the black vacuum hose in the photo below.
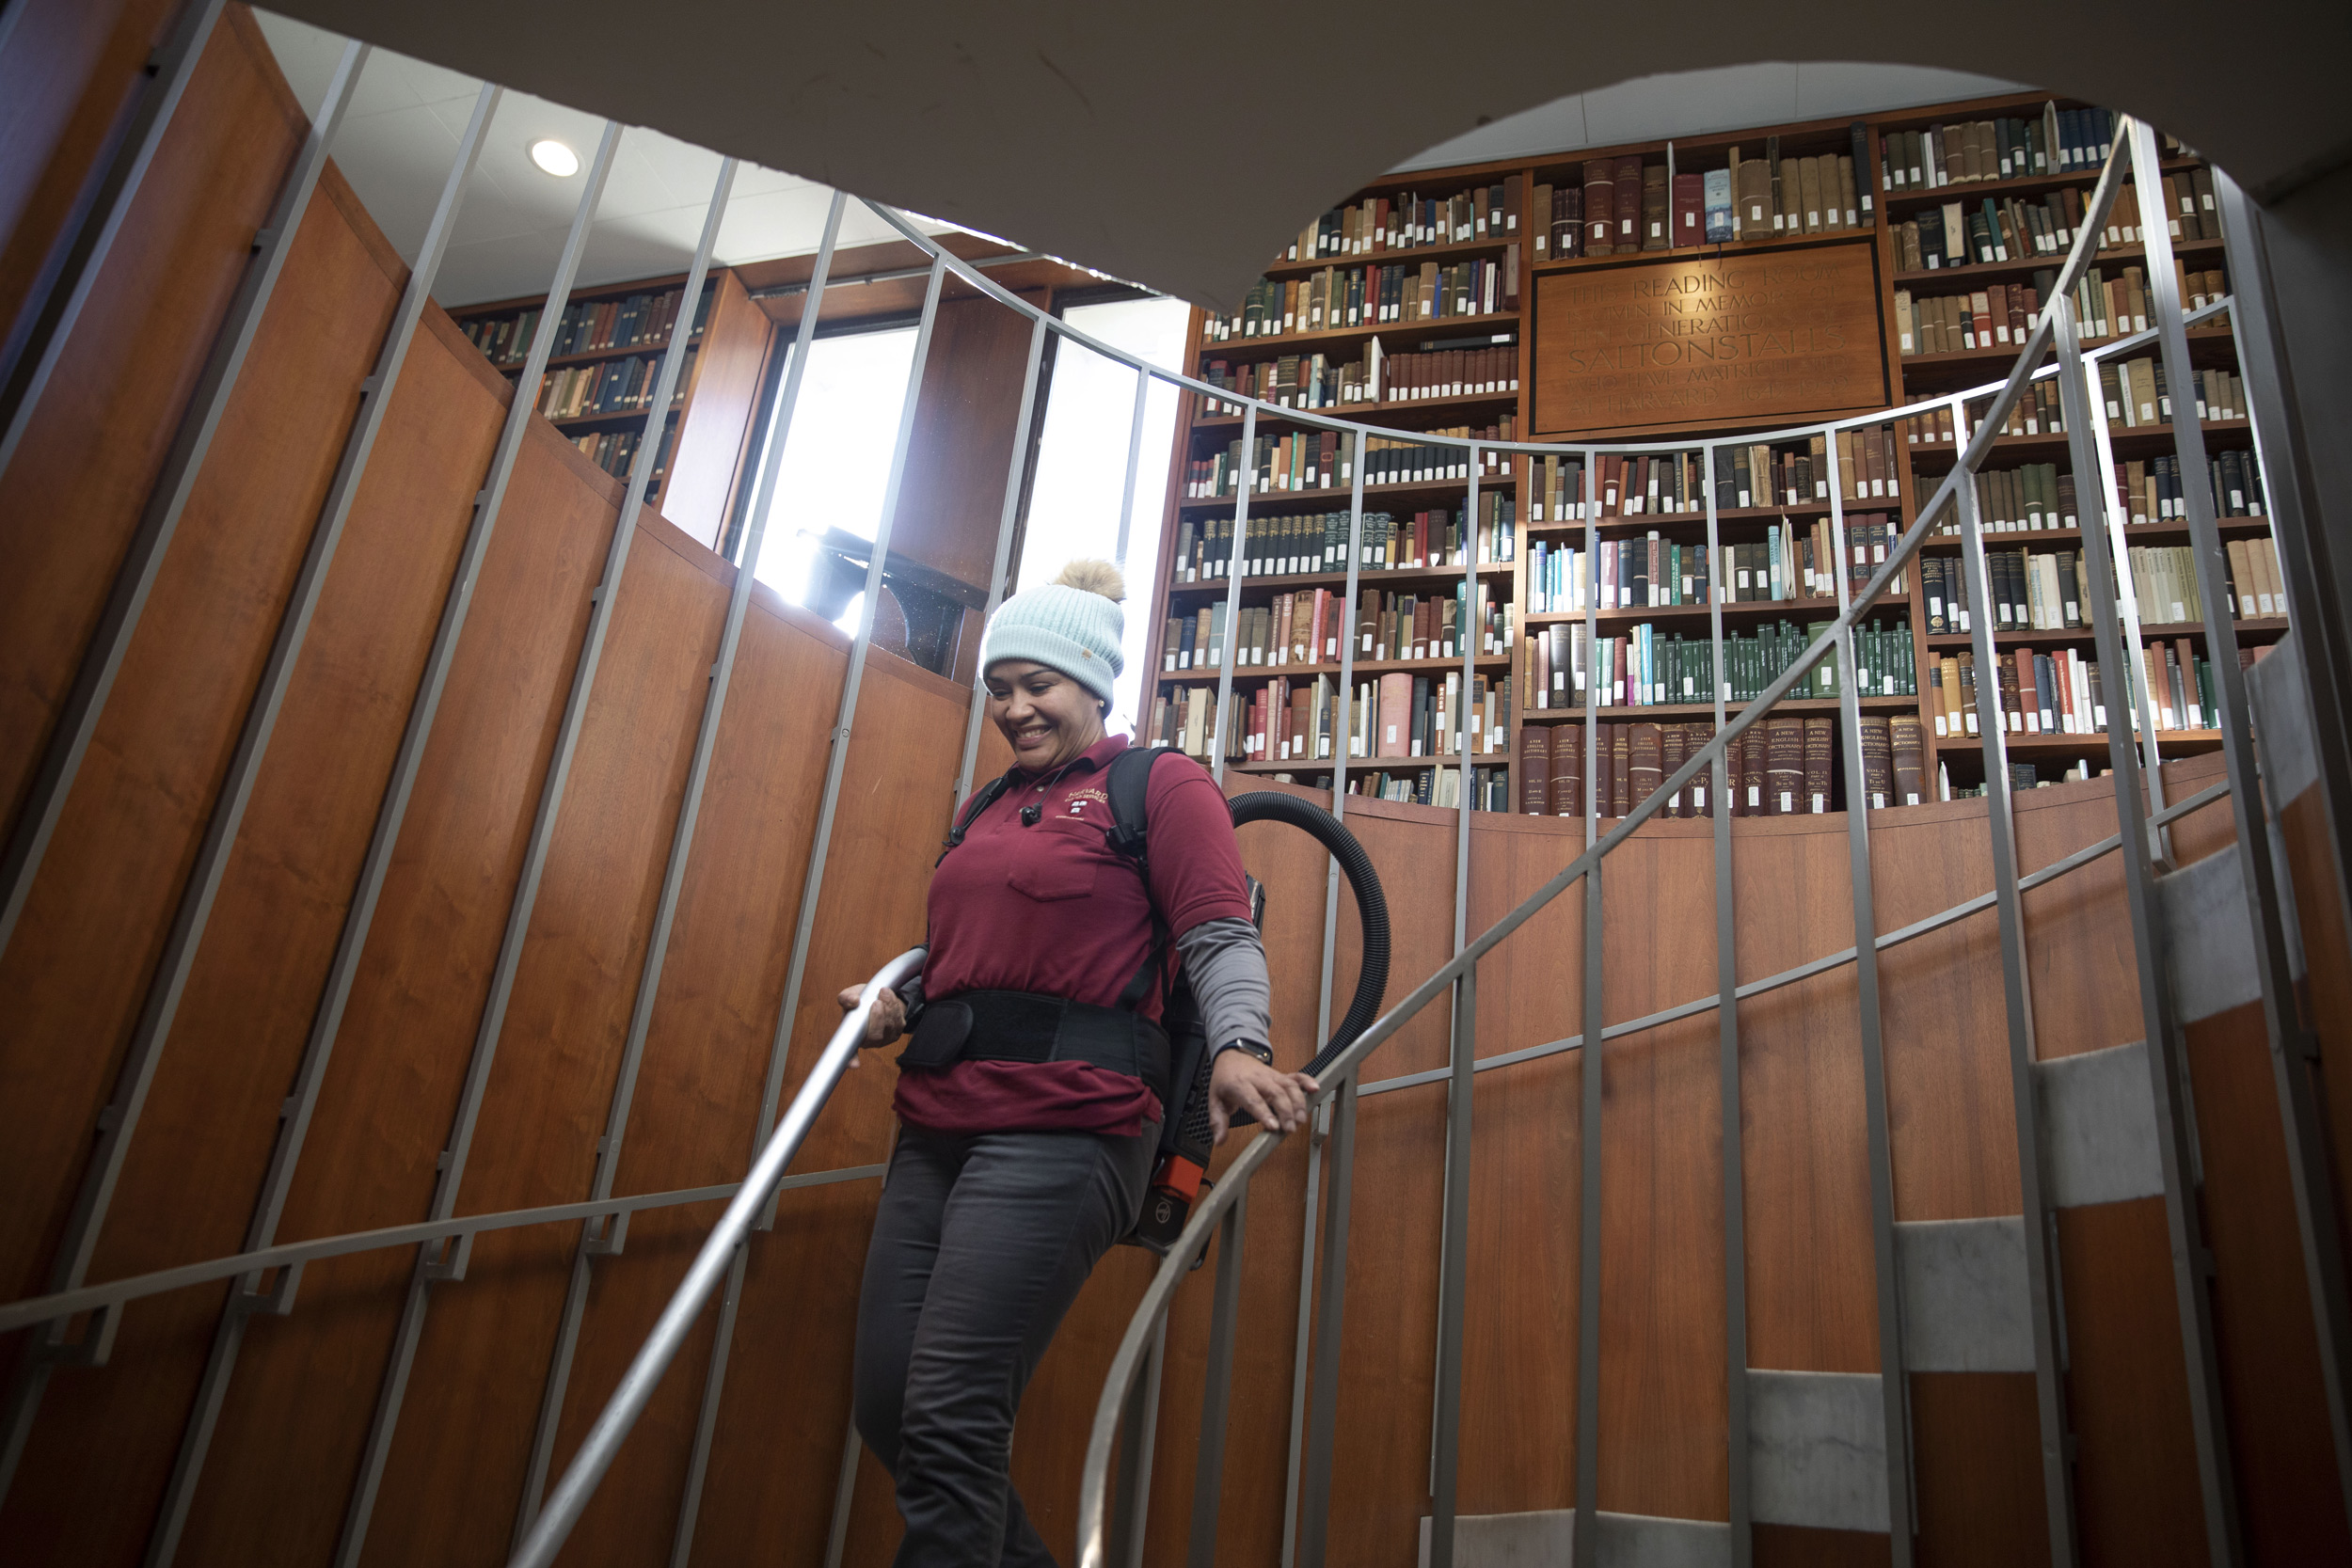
[1372,905]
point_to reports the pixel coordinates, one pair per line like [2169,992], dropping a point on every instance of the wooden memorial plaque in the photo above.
[1684,341]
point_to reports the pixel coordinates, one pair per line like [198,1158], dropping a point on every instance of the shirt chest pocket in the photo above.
[1061,858]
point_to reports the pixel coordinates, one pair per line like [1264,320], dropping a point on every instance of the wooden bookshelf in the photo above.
[1919,465]
[698,445]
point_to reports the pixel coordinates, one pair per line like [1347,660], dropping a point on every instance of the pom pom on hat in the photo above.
[1072,624]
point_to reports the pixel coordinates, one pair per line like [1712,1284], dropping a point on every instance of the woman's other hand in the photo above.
[1243,1088]
[886,1022]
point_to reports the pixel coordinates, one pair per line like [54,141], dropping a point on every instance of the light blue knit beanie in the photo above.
[1072,624]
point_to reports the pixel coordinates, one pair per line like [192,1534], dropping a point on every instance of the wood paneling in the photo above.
[69,78]
[954,492]
[712,438]
[1977,1454]
[191,1177]
[73,495]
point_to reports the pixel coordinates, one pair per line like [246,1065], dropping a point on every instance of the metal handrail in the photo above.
[620,1413]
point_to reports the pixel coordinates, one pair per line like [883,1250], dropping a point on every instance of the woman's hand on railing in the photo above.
[1241,1087]
[884,1023]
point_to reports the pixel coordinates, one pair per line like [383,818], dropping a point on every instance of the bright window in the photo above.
[836,458]
[1082,463]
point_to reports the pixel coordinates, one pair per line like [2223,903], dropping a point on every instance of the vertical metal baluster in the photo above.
[1315,1526]
[1134,455]
[1894,1379]
[434,1263]
[78,724]
[2293,1051]
[1588,1067]
[1453,1266]
[1727,1050]
[2138,699]
[1458,736]
[126,603]
[1011,511]
[1208,1473]
[2057,1482]
[2184,1214]
[812,885]
[1343,728]
[45,320]
[1245,481]
[601,1238]
[1138,1435]
[171,1516]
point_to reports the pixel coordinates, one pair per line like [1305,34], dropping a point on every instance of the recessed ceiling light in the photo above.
[555,158]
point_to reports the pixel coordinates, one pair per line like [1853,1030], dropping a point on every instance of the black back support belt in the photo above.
[1024,1027]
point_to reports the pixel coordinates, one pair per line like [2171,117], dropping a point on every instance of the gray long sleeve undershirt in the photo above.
[1226,962]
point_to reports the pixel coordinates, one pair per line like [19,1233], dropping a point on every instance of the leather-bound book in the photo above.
[1783,766]
[1394,738]
[1567,223]
[1677,737]
[1808,194]
[1655,208]
[1627,180]
[1541,208]
[2012,710]
[1753,771]
[1567,769]
[1908,757]
[1819,757]
[1645,754]
[1534,768]
[1600,206]
[1877,760]
[1690,210]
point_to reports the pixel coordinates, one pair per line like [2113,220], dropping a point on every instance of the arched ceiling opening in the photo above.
[1179,147]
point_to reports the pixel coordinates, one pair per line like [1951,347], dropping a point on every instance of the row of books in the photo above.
[613,451]
[1409,220]
[1434,787]
[1338,298]
[1789,562]
[2031,591]
[1305,627]
[2065,692]
[1747,475]
[1303,544]
[2009,147]
[1624,204]
[608,387]
[2148,491]
[1322,460]
[1644,667]
[1468,367]
[1396,715]
[2024,499]
[586,326]
[1785,765]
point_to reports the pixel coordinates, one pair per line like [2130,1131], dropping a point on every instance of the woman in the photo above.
[1023,1148]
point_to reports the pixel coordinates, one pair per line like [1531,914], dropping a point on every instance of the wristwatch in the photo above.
[1264,1053]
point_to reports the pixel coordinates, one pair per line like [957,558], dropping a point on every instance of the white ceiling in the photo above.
[1702,103]
[399,135]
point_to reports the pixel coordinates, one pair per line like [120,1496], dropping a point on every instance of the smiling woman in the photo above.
[1032,1094]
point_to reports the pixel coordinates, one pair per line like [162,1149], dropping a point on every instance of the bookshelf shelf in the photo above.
[1908,199]
[1497,324]
[2263,626]
[1331,667]
[1268,500]
[1444,255]
[2025,266]
[2084,743]
[1369,577]
[618,419]
[2130,442]
[1734,609]
[514,367]
[1680,711]
[2154,533]
[1361,413]
[1919,463]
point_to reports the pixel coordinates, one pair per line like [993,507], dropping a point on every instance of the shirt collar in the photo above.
[1092,759]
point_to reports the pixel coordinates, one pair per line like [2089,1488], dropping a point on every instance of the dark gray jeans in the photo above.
[981,1246]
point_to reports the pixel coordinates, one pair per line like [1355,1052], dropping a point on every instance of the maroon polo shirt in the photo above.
[1053,909]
